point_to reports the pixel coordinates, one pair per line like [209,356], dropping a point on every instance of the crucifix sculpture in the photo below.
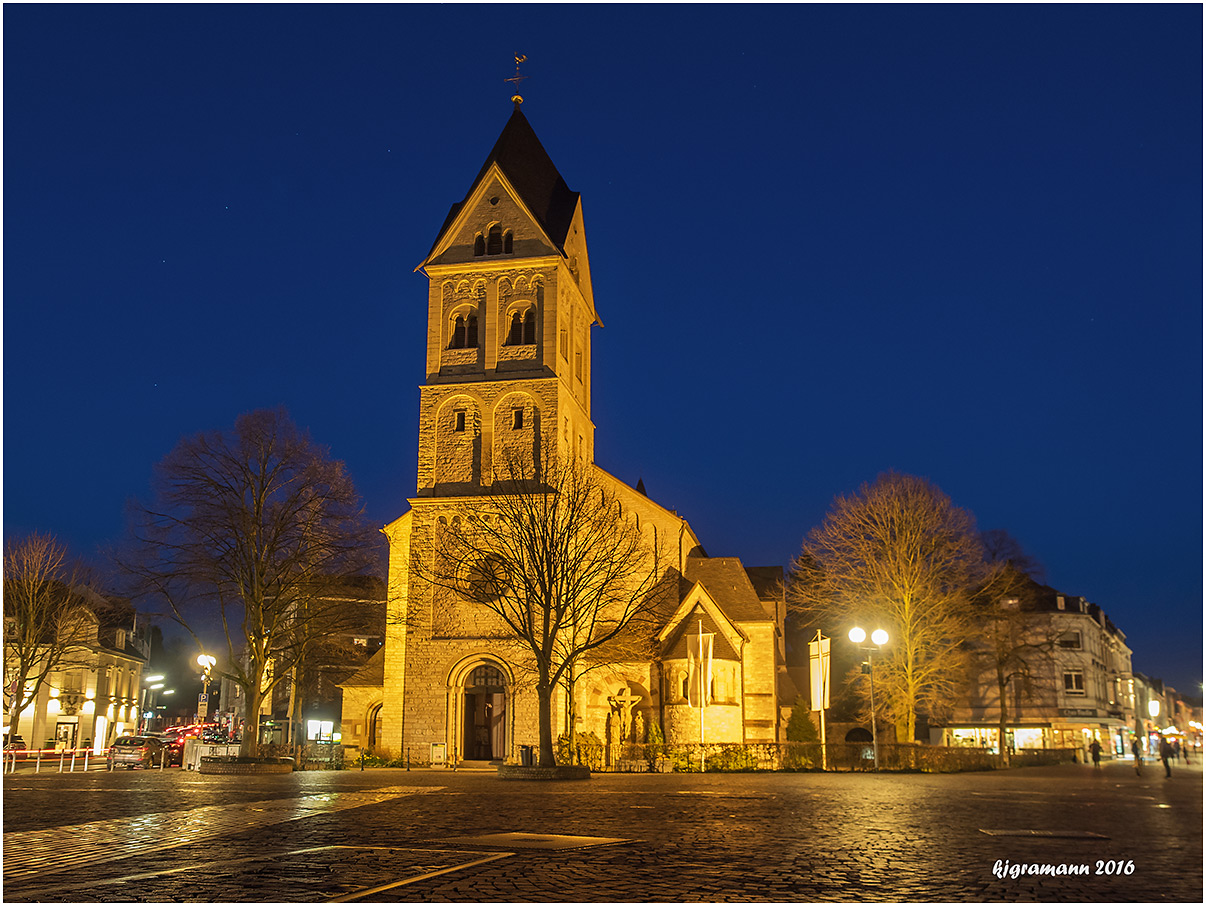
[623,702]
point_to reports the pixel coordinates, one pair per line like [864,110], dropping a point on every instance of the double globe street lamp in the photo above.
[879,638]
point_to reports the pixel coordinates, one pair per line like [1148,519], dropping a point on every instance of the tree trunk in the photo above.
[250,746]
[14,718]
[1002,691]
[573,716]
[544,695]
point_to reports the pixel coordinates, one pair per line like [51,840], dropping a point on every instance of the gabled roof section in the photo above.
[371,674]
[698,605]
[729,585]
[532,174]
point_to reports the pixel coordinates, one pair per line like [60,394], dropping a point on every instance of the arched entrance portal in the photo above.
[484,706]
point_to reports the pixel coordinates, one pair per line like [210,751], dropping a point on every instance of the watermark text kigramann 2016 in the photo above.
[1003,868]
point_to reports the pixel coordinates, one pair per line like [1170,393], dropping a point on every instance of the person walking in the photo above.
[1138,753]
[1095,749]
[1166,753]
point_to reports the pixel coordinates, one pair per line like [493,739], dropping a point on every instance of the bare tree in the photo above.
[253,523]
[1014,641]
[47,626]
[548,551]
[898,555]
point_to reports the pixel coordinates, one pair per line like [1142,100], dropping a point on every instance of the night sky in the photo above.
[962,242]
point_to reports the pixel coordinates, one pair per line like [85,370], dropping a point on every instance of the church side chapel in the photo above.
[510,311]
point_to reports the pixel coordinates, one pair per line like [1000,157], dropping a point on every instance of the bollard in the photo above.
[362,761]
[38,763]
[86,759]
[62,755]
[408,758]
[162,756]
[73,751]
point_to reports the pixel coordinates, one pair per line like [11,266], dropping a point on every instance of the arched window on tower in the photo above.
[494,242]
[479,246]
[508,243]
[529,327]
[464,331]
[515,334]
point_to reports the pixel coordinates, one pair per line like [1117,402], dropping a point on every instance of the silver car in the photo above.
[133,751]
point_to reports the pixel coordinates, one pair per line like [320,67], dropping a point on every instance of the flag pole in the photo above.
[701,697]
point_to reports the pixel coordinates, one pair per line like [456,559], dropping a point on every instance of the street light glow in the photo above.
[857,635]
[879,637]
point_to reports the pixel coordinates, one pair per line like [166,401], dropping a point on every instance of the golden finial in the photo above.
[519,58]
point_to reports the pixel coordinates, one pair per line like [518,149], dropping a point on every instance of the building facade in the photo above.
[508,370]
[97,693]
[1076,684]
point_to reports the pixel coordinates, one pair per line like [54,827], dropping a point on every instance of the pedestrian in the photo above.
[1177,749]
[1138,753]
[1166,752]
[1095,748]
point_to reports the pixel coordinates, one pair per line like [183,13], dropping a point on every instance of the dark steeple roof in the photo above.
[531,171]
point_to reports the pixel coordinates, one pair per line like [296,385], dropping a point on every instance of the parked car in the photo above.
[17,743]
[133,751]
[173,746]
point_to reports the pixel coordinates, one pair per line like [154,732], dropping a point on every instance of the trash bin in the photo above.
[525,756]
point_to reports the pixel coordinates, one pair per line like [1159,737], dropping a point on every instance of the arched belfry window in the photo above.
[522,330]
[464,331]
[508,243]
[479,246]
[494,241]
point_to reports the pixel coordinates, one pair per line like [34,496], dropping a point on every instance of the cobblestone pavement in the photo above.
[392,836]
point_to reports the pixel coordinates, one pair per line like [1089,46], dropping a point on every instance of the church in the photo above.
[510,309]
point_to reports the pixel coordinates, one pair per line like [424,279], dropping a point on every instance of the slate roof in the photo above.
[767,580]
[729,585]
[531,171]
[676,645]
[371,674]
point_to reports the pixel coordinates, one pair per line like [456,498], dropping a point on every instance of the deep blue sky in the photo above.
[963,242]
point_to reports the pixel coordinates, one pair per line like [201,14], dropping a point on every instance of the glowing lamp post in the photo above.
[879,638]
[206,663]
[146,695]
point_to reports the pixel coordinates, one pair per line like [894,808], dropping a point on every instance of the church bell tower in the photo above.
[509,312]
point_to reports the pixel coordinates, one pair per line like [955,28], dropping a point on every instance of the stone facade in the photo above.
[510,309]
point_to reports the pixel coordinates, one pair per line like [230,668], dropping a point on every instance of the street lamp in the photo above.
[879,638]
[206,663]
[146,695]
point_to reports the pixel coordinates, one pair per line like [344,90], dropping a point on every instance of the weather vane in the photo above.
[519,58]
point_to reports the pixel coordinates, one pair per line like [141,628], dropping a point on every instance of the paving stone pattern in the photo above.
[710,838]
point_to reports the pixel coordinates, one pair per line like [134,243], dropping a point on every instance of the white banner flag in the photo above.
[699,669]
[818,672]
